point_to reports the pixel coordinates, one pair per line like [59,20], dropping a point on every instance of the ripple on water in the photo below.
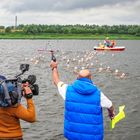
[77,54]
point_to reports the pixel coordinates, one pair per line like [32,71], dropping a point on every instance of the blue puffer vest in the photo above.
[83,112]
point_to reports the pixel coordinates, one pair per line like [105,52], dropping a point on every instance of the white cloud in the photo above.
[70,12]
[56,5]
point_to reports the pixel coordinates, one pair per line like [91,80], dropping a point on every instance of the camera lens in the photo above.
[35,89]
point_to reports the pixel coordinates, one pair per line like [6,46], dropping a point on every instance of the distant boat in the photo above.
[40,50]
[116,48]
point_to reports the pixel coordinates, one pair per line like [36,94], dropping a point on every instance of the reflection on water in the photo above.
[116,73]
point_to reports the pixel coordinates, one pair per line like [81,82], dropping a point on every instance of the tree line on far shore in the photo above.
[72,29]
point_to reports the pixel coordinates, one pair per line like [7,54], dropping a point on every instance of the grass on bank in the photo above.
[68,36]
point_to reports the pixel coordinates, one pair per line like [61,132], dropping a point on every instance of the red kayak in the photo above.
[116,48]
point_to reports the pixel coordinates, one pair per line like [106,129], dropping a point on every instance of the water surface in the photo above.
[50,105]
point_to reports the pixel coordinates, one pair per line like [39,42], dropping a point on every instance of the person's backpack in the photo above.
[10,92]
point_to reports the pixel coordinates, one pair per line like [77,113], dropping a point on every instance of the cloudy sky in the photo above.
[99,12]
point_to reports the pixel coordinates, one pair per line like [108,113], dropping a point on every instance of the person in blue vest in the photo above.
[83,119]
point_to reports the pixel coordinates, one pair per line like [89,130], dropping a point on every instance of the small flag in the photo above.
[118,117]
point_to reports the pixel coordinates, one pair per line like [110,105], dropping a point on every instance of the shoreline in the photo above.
[69,36]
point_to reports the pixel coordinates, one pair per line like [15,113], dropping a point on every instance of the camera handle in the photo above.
[23,68]
[19,74]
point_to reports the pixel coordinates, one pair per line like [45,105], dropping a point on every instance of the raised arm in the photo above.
[55,74]
[26,114]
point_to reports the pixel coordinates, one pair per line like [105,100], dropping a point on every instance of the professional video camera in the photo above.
[11,90]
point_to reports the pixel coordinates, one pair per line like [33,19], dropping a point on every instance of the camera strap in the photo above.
[19,91]
[6,98]
[10,93]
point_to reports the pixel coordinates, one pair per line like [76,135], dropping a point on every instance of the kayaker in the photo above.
[113,43]
[10,128]
[83,119]
[101,45]
[107,42]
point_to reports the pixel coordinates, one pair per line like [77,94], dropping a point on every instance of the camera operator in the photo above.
[10,128]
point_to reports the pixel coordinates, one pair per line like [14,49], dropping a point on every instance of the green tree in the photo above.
[8,29]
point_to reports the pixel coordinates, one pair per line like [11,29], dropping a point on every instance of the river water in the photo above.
[117,74]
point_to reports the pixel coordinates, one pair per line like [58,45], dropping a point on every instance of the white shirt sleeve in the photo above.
[105,102]
[62,88]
